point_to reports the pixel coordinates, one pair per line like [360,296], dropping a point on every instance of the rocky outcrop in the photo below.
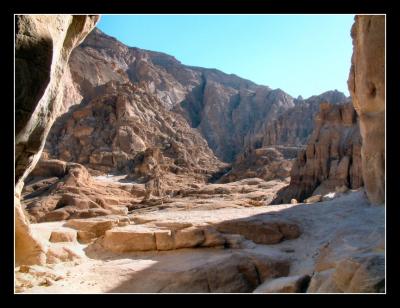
[332,157]
[224,108]
[352,261]
[294,126]
[114,131]
[67,191]
[367,87]
[267,163]
[43,44]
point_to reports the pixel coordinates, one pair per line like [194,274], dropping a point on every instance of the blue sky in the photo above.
[301,54]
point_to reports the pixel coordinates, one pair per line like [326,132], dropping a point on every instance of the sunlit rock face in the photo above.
[367,87]
[331,158]
[43,44]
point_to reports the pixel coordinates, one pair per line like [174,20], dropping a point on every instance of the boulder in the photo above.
[63,235]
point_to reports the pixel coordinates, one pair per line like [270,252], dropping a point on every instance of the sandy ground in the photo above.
[148,272]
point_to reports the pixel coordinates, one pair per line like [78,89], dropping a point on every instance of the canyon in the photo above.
[170,178]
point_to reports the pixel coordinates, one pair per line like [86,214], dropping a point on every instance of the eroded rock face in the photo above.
[50,195]
[114,131]
[294,126]
[367,87]
[224,108]
[43,44]
[267,163]
[351,262]
[332,157]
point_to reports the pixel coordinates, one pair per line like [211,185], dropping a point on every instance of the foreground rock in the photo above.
[367,87]
[42,48]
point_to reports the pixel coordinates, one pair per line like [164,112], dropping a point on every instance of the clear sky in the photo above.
[301,54]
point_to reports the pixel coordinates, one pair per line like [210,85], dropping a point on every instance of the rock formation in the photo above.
[113,131]
[267,163]
[367,87]
[43,44]
[332,156]
[224,108]
[294,126]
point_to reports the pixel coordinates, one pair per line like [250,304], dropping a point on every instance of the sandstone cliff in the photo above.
[367,87]
[43,44]
[332,157]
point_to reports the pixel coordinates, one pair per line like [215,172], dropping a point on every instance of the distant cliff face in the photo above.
[332,158]
[229,112]
[294,126]
[367,87]
[224,108]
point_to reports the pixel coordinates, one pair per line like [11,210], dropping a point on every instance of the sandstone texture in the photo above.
[332,157]
[367,87]
[43,44]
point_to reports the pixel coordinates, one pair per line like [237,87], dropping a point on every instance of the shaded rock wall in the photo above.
[43,44]
[367,87]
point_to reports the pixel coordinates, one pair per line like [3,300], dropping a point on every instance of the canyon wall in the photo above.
[332,158]
[367,87]
[43,44]
[223,108]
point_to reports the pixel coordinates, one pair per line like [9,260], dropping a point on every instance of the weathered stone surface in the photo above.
[74,195]
[291,284]
[367,87]
[313,199]
[189,237]
[98,226]
[332,157]
[352,261]
[267,163]
[259,231]
[43,44]
[362,273]
[294,126]
[63,235]
[129,238]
